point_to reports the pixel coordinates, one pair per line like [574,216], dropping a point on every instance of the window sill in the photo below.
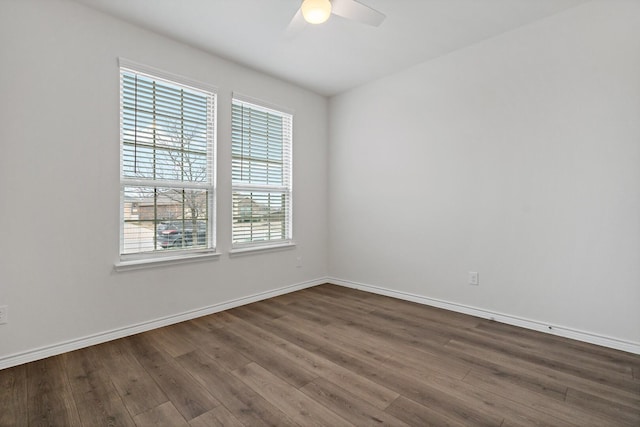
[164,261]
[265,248]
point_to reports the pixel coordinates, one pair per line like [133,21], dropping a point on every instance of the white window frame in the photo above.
[287,185]
[143,258]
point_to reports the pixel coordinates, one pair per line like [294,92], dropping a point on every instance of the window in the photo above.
[167,146]
[261,174]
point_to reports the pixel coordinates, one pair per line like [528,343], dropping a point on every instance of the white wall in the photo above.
[518,157]
[59,180]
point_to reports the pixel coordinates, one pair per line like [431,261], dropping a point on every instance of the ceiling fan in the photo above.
[318,11]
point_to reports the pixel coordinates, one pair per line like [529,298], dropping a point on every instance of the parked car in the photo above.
[178,234]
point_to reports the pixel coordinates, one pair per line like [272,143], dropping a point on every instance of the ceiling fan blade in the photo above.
[351,9]
[296,25]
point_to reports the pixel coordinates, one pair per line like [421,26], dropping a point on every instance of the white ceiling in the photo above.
[339,54]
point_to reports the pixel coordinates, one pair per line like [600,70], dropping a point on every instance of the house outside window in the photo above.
[261,144]
[167,149]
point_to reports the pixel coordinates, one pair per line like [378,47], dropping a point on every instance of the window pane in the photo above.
[164,218]
[258,146]
[164,130]
[259,216]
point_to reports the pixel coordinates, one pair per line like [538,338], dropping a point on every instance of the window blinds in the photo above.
[167,177]
[261,140]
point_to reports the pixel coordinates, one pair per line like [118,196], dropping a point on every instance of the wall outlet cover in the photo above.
[4,315]
[474,278]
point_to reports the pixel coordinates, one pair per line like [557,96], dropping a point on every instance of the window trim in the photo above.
[262,104]
[268,245]
[152,258]
[164,261]
[262,248]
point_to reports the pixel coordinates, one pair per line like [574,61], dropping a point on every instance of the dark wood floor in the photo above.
[329,356]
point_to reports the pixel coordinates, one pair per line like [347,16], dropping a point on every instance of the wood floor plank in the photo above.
[540,374]
[613,410]
[186,394]
[405,384]
[622,381]
[525,383]
[294,374]
[343,310]
[286,299]
[516,412]
[98,402]
[421,337]
[189,397]
[266,310]
[246,405]
[136,388]
[410,309]
[351,304]
[347,405]
[538,343]
[50,399]
[217,417]
[96,398]
[215,347]
[504,367]
[295,404]
[558,342]
[210,321]
[313,338]
[445,403]
[396,355]
[171,340]
[541,404]
[296,309]
[81,362]
[340,292]
[402,354]
[290,358]
[13,396]
[251,315]
[414,414]
[369,391]
[165,415]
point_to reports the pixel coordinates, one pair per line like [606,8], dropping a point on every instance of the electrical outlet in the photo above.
[299,262]
[3,314]
[474,279]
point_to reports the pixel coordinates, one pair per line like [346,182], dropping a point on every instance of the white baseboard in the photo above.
[63,347]
[615,343]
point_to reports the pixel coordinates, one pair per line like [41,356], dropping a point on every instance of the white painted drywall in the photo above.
[518,158]
[59,179]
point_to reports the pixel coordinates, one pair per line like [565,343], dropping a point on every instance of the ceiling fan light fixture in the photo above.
[316,11]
